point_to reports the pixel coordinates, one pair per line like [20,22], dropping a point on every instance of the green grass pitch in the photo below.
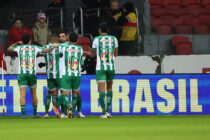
[116,128]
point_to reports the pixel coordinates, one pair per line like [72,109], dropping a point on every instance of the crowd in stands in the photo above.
[121,20]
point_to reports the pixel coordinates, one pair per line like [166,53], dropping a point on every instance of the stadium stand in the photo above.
[182,44]
[156,3]
[191,3]
[85,42]
[206,3]
[172,4]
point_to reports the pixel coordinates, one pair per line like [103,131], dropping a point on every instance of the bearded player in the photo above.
[63,40]
[54,75]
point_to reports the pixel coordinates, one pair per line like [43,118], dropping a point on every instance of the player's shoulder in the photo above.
[96,38]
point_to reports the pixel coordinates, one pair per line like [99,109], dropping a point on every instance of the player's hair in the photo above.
[26,38]
[104,27]
[54,38]
[73,37]
[62,32]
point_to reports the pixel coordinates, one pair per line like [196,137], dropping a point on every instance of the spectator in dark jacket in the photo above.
[114,14]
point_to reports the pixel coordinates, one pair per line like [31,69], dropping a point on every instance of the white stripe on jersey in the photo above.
[98,65]
[69,68]
[48,64]
[76,54]
[30,61]
[104,51]
[110,54]
[54,64]
[24,58]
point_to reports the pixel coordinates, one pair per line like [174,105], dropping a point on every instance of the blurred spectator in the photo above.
[57,4]
[17,31]
[114,14]
[41,30]
[128,21]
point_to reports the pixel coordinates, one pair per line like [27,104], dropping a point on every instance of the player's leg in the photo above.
[22,82]
[66,88]
[109,98]
[101,79]
[75,90]
[79,105]
[23,101]
[34,100]
[32,83]
[109,83]
[47,104]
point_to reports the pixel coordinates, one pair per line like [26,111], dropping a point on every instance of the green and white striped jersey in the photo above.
[105,47]
[27,58]
[54,62]
[72,59]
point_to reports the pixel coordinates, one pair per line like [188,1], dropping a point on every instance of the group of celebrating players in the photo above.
[63,66]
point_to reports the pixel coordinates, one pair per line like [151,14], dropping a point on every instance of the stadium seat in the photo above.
[181,12]
[84,42]
[179,40]
[164,13]
[201,21]
[164,29]
[184,49]
[202,12]
[201,29]
[172,4]
[191,3]
[201,25]
[182,44]
[155,3]
[183,29]
[206,3]
[160,21]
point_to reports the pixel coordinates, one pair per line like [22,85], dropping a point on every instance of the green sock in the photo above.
[23,109]
[47,103]
[74,103]
[54,100]
[59,101]
[79,103]
[62,108]
[65,109]
[109,100]
[35,110]
[66,100]
[102,102]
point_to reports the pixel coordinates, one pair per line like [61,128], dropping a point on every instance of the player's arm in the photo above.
[116,52]
[48,50]
[91,53]
[116,48]
[10,49]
